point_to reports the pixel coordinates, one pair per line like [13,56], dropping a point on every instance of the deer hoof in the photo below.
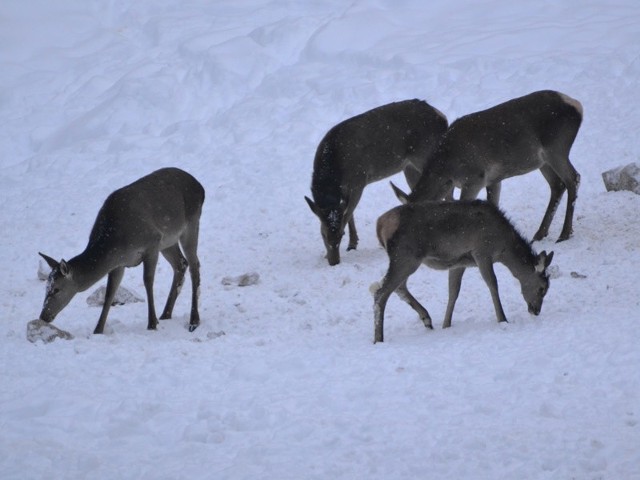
[192,327]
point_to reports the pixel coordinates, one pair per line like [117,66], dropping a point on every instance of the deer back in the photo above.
[161,203]
[509,139]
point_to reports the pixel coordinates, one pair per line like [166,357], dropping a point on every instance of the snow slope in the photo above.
[94,95]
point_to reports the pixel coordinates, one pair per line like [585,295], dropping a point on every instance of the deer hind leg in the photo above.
[404,294]
[113,282]
[455,281]
[571,179]
[399,271]
[189,243]
[557,187]
[148,276]
[486,270]
[179,264]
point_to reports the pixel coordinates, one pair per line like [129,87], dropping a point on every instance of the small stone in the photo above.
[623,178]
[46,332]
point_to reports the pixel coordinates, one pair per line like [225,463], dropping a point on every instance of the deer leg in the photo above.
[486,270]
[189,243]
[149,272]
[557,188]
[113,282]
[493,193]
[571,179]
[404,294]
[399,271]
[455,280]
[179,264]
[353,235]
[470,191]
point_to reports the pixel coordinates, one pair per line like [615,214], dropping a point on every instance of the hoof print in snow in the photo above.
[623,178]
[122,297]
[46,332]
[244,280]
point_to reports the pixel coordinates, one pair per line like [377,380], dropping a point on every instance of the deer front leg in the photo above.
[353,235]
[493,193]
[113,282]
[455,280]
[489,276]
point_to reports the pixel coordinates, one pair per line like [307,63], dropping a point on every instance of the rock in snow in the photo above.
[623,178]
[41,330]
[123,296]
[244,280]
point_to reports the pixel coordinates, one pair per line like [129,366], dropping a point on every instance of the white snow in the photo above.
[94,95]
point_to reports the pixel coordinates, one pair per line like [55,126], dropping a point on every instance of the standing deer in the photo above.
[516,137]
[364,149]
[453,236]
[158,213]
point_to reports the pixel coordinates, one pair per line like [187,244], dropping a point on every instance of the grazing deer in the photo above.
[364,149]
[453,236]
[516,137]
[158,213]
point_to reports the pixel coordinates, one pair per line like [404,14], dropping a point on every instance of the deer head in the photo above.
[61,288]
[332,224]
[535,288]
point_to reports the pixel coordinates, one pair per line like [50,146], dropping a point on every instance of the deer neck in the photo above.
[89,267]
[519,259]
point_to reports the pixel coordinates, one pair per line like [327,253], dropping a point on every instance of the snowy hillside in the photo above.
[94,95]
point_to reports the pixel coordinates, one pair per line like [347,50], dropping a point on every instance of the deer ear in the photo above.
[544,260]
[312,206]
[64,268]
[50,261]
[403,197]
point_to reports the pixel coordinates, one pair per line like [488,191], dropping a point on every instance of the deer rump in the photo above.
[454,236]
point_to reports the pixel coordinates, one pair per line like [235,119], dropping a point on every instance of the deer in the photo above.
[157,214]
[479,150]
[453,236]
[363,149]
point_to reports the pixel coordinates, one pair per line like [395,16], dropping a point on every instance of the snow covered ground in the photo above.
[95,94]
